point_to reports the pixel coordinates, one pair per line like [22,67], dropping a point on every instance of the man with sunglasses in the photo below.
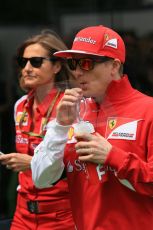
[108,155]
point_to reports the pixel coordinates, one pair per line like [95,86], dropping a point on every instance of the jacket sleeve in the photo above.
[17,103]
[47,163]
[131,170]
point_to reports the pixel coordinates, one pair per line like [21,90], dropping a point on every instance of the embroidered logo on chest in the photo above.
[18,118]
[121,128]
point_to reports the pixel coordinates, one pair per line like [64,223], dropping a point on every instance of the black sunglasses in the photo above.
[36,62]
[85,63]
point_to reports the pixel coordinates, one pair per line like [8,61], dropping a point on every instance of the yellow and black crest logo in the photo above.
[106,36]
[70,133]
[112,123]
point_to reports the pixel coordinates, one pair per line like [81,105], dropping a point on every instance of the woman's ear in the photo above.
[57,67]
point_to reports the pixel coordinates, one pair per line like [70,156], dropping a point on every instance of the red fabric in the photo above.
[26,144]
[96,40]
[53,221]
[99,200]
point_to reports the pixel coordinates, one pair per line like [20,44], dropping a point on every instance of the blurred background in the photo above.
[20,19]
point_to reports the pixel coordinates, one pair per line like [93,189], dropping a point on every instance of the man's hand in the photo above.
[67,107]
[16,161]
[92,148]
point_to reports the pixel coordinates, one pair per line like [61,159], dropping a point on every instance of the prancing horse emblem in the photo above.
[112,123]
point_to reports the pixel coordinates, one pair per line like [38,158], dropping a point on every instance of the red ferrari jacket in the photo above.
[117,195]
[26,143]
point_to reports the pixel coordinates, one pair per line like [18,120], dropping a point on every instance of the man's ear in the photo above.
[116,66]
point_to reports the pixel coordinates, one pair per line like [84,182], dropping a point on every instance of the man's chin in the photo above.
[86,93]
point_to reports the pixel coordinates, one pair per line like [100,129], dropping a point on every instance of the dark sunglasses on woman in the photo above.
[36,62]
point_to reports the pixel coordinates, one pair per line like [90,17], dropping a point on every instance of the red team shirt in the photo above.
[119,194]
[25,144]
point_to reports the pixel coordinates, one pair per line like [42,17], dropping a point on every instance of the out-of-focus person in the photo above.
[44,77]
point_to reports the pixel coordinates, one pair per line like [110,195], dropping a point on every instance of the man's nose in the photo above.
[78,71]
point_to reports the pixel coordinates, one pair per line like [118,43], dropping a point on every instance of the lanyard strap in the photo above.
[50,109]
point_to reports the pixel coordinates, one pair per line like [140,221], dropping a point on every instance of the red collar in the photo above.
[43,106]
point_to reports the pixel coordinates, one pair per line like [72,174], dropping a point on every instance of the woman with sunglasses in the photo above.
[44,77]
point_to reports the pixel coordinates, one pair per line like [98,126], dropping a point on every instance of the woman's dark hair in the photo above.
[51,42]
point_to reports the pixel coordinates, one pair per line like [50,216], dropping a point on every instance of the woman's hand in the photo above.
[16,161]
